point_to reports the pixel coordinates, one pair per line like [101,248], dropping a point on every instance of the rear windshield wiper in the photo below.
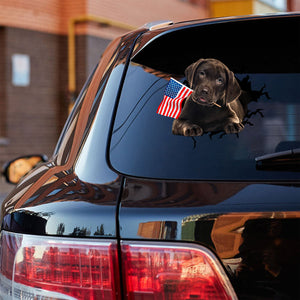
[288,160]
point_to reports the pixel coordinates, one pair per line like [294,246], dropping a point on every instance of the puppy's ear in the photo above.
[190,71]
[233,89]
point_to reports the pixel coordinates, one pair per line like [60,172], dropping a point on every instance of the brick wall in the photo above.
[295,5]
[88,53]
[31,117]
[36,15]
[137,12]
[32,112]
[2,88]
[53,15]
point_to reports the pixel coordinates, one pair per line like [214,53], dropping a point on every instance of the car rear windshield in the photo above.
[231,144]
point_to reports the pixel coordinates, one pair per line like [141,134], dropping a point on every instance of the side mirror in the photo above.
[14,170]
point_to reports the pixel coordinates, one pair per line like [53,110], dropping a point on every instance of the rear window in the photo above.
[263,56]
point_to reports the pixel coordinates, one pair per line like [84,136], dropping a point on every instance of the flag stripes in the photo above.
[171,104]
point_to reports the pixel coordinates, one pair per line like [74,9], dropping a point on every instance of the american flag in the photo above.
[171,104]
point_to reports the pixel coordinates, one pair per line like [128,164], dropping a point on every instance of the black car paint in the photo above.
[71,201]
[182,211]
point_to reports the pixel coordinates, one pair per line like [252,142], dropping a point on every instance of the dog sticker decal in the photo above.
[213,102]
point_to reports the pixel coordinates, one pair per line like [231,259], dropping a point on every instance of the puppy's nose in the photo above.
[205,90]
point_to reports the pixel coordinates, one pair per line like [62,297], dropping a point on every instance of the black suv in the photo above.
[176,175]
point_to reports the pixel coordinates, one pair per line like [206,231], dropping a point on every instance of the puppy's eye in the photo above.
[220,80]
[202,73]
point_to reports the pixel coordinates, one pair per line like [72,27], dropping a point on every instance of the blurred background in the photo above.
[49,47]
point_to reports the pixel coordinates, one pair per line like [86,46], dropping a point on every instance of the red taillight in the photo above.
[61,268]
[165,271]
[33,267]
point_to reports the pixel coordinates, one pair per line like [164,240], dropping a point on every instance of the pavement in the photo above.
[5,189]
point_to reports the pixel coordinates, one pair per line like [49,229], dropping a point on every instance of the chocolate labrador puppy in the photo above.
[214,105]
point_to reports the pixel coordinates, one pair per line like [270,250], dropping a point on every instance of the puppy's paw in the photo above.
[192,130]
[185,128]
[233,127]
